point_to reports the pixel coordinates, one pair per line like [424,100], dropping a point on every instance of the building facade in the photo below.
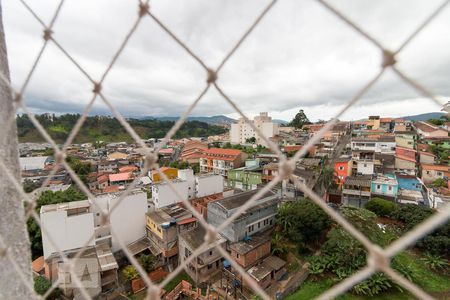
[241,131]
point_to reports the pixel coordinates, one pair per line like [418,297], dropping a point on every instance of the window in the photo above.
[209,266]
[390,188]
[378,186]
[270,222]
[341,168]
[210,253]
[237,255]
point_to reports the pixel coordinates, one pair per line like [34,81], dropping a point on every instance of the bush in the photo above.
[440,182]
[41,285]
[303,221]
[129,273]
[381,207]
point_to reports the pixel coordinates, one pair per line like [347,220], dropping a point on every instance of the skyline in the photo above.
[281,68]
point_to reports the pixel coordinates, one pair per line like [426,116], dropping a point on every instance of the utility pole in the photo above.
[14,237]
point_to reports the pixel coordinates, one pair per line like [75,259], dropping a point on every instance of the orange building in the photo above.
[343,169]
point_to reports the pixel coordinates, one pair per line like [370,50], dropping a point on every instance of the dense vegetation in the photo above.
[48,197]
[108,129]
[334,254]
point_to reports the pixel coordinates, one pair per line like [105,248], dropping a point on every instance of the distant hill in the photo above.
[215,120]
[108,129]
[424,117]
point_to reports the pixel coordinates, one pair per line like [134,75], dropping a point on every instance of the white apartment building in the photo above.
[187,186]
[241,131]
[385,145]
[71,225]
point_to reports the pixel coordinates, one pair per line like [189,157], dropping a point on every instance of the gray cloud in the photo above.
[300,56]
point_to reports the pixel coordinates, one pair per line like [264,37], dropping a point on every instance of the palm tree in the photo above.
[326,180]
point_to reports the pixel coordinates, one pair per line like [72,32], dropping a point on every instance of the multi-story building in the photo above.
[384,144]
[245,178]
[163,227]
[219,161]
[242,131]
[206,264]
[258,218]
[356,190]
[405,139]
[406,160]
[171,173]
[343,169]
[249,252]
[187,187]
[71,225]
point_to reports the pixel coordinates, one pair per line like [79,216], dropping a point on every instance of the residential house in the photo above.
[250,251]
[206,264]
[409,189]
[258,218]
[245,178]
[373,123]
[432,172]
[121,179]
[269,270]
[163,227]
[405,160]
[107,166]
[400,125]
[427,158]
[269,172]
[386,124]
[219,161]
[428,130]
[405,139]
[384,186]
[342,169]
[384,163]
[117,156]
[357,190]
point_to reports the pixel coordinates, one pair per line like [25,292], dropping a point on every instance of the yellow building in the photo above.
[171,173]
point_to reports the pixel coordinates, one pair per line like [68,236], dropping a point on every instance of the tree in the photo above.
[303,220]
[42,285]
[381,207]
[251,140]
[277,245]
[299,120]
[129,273]
[147,262]
[326,180]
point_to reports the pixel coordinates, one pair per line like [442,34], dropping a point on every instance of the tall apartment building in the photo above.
[241,131]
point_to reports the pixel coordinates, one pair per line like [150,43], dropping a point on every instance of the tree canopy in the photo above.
[299,120]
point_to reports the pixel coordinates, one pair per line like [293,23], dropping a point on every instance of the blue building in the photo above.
[384,185]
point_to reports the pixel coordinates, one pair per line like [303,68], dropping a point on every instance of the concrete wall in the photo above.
[208,185]
[66,232]
[163,195]
[128,219]
[365,167]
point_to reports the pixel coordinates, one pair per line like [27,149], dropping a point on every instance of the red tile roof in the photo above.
[166,151]
[426,127]
[129,168]
[435,167]
[186,221]
[38,264]
[120,177]
[220,151]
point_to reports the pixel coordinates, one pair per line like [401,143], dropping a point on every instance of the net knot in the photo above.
[143,9]
[388,59]
[97,88]
[47,34]
[377,259]
[212,76]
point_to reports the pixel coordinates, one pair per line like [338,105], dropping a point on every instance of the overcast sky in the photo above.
[300,56]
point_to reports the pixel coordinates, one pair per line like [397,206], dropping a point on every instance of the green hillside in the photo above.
[108,129]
